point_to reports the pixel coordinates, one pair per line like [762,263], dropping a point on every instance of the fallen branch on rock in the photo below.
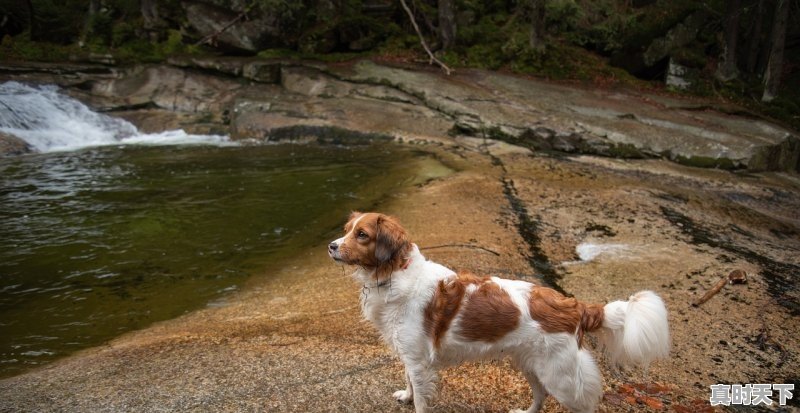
[478,247]
[735,277]
[212,38]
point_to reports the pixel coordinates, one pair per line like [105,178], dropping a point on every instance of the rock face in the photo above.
[252,98]
[375,98]
[241,36]
[12,145]
[679,36]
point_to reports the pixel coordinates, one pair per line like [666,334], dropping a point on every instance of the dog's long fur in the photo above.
[433,317]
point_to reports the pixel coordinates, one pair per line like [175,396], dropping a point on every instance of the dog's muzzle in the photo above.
[333,250]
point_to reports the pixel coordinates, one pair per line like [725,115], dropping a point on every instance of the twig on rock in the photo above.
[477,247]
[735,277]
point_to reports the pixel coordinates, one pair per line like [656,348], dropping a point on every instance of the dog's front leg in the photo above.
[423,384]
[405,396]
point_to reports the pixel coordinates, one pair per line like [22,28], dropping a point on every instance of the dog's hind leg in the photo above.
[571,376]
[539,393]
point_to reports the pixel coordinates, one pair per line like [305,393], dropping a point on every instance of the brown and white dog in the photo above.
[433,317]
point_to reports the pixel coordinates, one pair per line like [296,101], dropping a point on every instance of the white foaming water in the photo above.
[588,251]
[49,121]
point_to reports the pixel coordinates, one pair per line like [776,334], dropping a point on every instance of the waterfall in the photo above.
[49,121]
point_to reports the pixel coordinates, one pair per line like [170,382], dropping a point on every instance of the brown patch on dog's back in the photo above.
[439,313]
[489,314]
[556,313]
[446,302]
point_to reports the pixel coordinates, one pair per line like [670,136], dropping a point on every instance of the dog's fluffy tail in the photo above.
[635,332]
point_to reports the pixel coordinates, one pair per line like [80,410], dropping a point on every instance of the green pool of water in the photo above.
[102,241]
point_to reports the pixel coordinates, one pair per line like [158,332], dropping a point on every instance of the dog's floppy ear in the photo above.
[354,215]
[390,239]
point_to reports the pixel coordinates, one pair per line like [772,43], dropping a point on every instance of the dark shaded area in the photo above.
[325,135]
[528,228]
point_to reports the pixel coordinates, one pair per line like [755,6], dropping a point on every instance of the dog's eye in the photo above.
[362,235]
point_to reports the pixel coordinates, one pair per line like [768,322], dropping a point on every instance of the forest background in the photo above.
[744,52]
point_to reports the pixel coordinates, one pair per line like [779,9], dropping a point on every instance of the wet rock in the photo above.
[784,156]
[13,145]
[258,95]
[264,72]
[259,70]
[313,83]
[164,87]
[225,66]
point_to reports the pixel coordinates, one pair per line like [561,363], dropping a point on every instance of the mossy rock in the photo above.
[707,162]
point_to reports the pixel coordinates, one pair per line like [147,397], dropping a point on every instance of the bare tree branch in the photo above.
[477,247]
[433,58]
[211,37]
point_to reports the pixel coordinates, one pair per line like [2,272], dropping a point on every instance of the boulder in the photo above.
[680,76]
[165,87]
[243,36]
[651,61]
[677,37]
[253,68]
[13,145]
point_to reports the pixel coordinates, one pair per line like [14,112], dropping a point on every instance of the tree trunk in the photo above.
[727,69]
[447,24]
[772,78]
[94,8]
[754,40]
[149,9]
[534,13]
[152,20]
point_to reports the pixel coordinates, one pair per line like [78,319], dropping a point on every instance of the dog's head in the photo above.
[372,241]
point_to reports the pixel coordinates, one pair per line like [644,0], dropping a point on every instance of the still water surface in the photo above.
[100,241]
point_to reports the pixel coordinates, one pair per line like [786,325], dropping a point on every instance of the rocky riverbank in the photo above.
[596,227]
[256,98]
[294,339]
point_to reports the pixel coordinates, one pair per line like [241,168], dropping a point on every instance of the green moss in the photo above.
[625,151]
[280,53]
[22,48]
[141,51]
[706,162]
[494,132]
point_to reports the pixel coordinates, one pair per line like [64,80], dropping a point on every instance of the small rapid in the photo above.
[50,121]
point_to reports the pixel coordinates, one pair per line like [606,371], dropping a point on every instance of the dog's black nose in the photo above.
[333,246]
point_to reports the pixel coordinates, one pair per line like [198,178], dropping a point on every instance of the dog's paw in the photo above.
[403,396]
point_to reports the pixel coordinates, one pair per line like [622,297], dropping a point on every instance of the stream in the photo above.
[107,230]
